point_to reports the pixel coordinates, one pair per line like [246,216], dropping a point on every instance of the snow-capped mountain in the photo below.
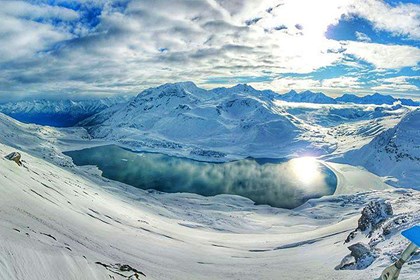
[307,97]
[247,89]
[239,121]
[375,98]
[181,114]
[57,112]
[395,152]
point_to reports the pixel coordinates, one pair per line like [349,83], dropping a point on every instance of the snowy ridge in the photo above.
[395,152]
[308,97]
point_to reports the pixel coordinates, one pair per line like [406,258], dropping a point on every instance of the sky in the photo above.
[78,49]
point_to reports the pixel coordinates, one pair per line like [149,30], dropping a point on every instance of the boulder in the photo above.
[15,156]
[361,256]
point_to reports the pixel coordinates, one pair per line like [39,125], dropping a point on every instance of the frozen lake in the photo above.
[276,182]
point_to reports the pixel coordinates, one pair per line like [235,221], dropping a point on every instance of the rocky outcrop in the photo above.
[361,256]
[15,156]
[373,216]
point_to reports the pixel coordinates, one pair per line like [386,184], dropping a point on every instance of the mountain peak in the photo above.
[243,87]
[307,97]
[375,98]
[292,92]
[184,85]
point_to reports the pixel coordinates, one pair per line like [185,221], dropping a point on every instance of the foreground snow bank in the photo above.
[70,223]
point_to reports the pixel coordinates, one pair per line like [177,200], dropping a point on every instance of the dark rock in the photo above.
[373,216]
[361,256]
[14,156]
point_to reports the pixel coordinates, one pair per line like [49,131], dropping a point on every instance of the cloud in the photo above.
[384,56]
[346,83]
[397,84]
[286,84]
[107,47]
[26,10]
[360,36]
[402,20]
[332,85]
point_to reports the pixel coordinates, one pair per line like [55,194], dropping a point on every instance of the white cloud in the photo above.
[202,39]
[298,84]
[346,83]
[397,84]
[400,20]
[384,56]
[28,11]
[360,36]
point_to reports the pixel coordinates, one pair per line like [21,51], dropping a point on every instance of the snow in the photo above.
[62,113]
[375,98]
[184,117]
[394,152]
[307,97]
[59,221]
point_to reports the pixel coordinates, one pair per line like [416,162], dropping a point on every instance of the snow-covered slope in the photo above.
[184,117]
[69,223]
[375,98]
[307,97]
[57,112]
[395,152]
[240,121]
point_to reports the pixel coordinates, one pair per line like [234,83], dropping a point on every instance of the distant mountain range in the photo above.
[375,98]
[307,97]
[61,113]
[66,113]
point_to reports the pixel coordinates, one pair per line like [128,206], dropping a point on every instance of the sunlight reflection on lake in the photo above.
[276,182]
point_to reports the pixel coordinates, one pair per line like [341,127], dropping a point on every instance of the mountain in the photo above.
[247,89]
[238,120]
[394,152]
[307,97]
[60,113]
[375,98]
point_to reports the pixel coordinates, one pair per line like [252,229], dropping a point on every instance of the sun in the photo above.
[306,169]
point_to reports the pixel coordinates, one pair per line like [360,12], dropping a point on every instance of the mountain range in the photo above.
[237,120]
[60,113]
[66,113]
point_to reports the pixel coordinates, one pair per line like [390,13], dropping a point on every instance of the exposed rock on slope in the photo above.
[378,224]
[395,152]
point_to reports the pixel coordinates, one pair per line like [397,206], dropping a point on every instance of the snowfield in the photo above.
[70,223]
[60,221]
[394,152]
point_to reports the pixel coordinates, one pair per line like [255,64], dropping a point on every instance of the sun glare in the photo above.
[306,169]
